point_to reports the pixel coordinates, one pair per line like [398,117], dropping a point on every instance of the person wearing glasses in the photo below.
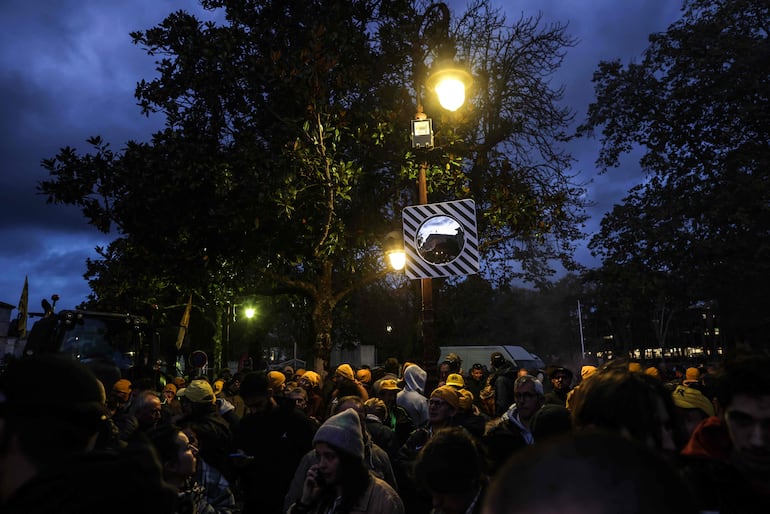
[511,431]
[199,487]
[443,405]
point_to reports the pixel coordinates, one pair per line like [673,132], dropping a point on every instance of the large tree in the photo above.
[284,159]
[698,106]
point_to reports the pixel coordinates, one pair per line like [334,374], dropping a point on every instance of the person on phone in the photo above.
[340,482]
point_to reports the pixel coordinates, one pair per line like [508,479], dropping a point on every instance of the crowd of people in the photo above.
[492,439]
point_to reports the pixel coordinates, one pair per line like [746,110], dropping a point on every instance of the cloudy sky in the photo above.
[68,71]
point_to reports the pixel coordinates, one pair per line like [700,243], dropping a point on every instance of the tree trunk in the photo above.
[323,319]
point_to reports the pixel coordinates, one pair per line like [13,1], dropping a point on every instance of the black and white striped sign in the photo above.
[440,239]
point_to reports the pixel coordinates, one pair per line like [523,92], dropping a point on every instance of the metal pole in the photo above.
[580,324]
[430,351]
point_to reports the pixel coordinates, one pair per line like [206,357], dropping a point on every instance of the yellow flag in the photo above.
[23,311]
[184,324]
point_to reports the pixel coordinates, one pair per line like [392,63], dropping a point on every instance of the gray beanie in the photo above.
[343,431]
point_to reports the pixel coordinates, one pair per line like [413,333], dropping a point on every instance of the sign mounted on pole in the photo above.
[440,239]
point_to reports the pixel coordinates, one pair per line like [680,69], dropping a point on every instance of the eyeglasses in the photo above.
[524,396]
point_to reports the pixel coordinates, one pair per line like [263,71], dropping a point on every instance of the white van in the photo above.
[470,355]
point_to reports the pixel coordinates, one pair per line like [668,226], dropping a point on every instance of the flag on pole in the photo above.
[184,324]
[23,310]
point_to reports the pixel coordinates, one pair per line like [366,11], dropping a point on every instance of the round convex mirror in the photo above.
[440,239]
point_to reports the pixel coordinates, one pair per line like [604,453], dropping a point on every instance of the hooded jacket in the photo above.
[411,398]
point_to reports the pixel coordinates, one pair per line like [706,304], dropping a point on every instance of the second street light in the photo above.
[449,82]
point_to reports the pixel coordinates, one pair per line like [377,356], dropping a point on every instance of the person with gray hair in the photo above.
[511,431]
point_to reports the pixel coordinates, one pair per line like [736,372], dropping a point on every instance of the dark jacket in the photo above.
[276,439]
[502,379]
[126,481]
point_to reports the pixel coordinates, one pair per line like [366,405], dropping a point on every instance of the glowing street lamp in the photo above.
[394,250]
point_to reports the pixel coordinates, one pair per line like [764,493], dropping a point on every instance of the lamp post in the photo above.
[449,82]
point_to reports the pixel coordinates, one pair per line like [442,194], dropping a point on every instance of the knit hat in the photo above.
[691,375]
[312,377]
[218,385]
[587,371]
[652,371]
[364,375]
[342,431]
[122,386]
[690,398]
[455,380]
[389,384]
[549,421]
[199,391]
[276,379]
[448,394]
[179,382]
[344,370]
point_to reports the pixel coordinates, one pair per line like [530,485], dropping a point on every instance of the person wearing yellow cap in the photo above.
[692,406]
[364,376]
[277,380]
[692,377]
[310,381]
[346,384]
[171,407]
[443,405]
[214,431]
[397,418]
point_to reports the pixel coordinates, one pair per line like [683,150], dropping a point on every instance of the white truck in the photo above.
[470,355]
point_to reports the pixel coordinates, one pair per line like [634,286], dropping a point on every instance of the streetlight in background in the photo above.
[450,82]
[394,250]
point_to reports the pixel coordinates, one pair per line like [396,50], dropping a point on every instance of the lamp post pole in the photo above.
[427,328]
[427,318]
[450,83]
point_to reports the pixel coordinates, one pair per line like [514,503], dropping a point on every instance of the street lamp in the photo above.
[394,250]
[449,82]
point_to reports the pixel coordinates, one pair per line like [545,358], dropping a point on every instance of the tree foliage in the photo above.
[698,106]
[284,158]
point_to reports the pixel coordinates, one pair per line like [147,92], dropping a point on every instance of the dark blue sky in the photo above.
[68,71]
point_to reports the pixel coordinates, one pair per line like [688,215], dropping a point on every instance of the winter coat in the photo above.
[379,498]
[412,397]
